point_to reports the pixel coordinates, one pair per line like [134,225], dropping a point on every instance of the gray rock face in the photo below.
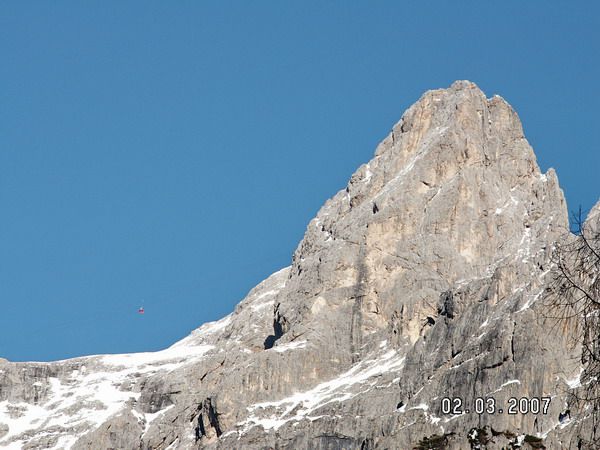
[417,288]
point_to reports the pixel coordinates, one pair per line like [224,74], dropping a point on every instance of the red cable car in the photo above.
[141,310]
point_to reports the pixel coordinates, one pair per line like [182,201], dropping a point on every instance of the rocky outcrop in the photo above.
[417,292]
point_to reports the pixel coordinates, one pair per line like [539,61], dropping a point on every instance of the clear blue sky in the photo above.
[170,154]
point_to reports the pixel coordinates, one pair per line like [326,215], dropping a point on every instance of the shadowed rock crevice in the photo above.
[279,323]
[447,306]
[207,421]
[272,338]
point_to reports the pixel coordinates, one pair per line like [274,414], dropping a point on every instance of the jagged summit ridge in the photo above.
[452,190]
[421,279]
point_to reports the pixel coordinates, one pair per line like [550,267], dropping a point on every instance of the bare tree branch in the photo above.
[573,298]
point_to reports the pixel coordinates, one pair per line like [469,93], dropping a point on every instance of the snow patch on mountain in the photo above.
[97,390]
[358,379]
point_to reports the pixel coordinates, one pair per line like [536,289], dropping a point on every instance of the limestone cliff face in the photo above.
[422,280]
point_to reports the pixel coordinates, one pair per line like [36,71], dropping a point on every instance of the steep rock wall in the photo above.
[423,279]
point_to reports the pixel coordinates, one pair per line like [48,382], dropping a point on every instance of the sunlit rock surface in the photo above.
[423,279]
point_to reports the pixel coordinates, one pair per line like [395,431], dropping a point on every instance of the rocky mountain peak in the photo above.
[454,156]
[422,279]
[451,192]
